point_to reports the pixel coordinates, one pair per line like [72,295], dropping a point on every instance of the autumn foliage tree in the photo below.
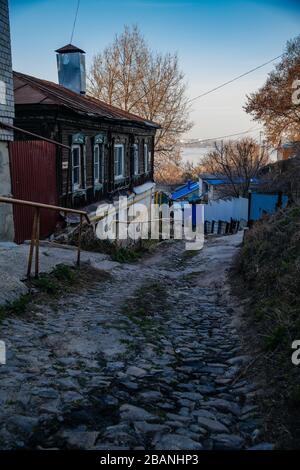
[273,104]
[127,74]
[238,161]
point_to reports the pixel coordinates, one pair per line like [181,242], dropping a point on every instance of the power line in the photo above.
[226,136]
[234,79]
[209,91]
[75,19]
[252,129]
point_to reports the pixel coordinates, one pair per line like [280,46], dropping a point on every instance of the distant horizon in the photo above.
[215,42]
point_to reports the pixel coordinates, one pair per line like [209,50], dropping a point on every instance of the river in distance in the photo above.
[194,155]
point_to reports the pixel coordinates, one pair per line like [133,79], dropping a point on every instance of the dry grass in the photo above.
[122,254]
[49,287]
[268,275]
[270,267]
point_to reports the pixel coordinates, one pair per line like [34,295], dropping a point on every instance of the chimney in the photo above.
[71,68]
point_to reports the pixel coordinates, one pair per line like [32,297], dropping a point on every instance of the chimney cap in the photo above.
[69,48]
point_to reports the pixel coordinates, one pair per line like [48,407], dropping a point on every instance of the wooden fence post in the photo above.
[35,234]
[79,241]
[32,244]
[37,242]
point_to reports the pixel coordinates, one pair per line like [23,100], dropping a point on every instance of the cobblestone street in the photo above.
[149,359]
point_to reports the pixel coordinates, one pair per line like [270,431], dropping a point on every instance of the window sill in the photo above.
[79,192]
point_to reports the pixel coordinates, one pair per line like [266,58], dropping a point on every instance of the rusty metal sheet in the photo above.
[33,173]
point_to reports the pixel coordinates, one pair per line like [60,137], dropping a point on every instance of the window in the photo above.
[98,163]
[136,158]
[147,158]
[119,161]
[76,166]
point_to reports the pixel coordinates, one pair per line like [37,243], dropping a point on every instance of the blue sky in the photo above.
[215,40]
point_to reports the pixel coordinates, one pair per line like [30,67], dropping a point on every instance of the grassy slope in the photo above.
[269,269]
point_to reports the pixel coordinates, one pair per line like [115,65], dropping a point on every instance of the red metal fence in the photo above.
[33,172]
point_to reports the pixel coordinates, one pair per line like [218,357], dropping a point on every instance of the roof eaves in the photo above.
[80,104]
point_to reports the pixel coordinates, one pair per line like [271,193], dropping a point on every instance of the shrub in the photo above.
[269,265]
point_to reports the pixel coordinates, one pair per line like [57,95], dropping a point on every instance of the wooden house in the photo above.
[111,152]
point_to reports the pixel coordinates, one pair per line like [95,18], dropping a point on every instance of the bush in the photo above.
[269,264]
[17,307]
[62,272]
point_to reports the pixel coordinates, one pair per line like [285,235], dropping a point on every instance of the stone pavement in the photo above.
[150,359]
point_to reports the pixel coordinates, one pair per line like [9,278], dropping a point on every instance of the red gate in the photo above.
[33,173]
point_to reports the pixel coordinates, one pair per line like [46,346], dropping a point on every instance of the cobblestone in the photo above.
[91,374]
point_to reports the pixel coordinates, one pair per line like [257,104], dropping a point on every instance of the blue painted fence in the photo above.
[235,208]
[262,204]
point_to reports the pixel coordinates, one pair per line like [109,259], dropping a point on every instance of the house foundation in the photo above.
[6,210]
[6,117]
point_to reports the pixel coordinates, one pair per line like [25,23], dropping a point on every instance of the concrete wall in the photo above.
[138,208]
[6,213]
[6,115]
[142,205]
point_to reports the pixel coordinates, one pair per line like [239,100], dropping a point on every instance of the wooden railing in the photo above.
[35,236]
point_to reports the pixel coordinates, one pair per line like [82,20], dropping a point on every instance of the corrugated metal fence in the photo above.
[33,172]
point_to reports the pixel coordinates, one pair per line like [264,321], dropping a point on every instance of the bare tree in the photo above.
[170,171]
[239,162]
[129,75]
[283,176]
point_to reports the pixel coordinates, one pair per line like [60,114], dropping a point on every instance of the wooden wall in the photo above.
[62,126]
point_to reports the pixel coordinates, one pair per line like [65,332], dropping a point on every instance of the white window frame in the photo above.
[136,166]
[121,175]
[149,160]
[79,184]
[146,158]
[100,165]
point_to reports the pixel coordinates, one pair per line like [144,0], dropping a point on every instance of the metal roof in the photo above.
[192,186]
[31,90]
[69,48]
[220,181]
[183,191]
[293,144]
